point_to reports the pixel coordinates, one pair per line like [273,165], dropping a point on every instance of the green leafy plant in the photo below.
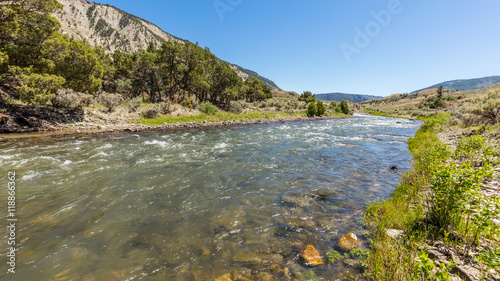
[208,108]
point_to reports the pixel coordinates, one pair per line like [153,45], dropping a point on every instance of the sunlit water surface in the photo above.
[198,204]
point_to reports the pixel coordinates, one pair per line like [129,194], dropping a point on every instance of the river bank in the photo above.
[430,229]
[201,121]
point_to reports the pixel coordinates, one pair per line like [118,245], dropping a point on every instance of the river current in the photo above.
[198,204]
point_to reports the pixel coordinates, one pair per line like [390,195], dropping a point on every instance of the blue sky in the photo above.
[376,47]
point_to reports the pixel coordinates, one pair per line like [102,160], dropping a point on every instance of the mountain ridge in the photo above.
[465,84]
[114,29]
[336,96]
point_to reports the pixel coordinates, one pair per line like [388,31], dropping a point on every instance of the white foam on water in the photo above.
[30,175]
[162,144]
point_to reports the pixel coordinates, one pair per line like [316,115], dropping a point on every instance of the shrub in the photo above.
[134,104]
[151,112]
[64,98]
[489,109]
[110,101]
[344,106]
[236,107]
[321,108]
[165,107]
[208,108]
[85,99]
[307,97]
[187,102]
[312,110]
[38,88]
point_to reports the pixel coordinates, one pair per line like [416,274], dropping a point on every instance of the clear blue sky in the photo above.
[297,43]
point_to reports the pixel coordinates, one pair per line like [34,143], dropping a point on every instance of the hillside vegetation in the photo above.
[442,221]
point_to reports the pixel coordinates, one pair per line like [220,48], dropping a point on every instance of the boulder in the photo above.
[311,256]
[349,242]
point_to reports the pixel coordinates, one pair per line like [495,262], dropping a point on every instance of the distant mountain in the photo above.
[114,29]
[466,84]
[343,96]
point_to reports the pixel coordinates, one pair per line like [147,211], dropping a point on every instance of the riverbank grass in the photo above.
[438,202]
[227,116]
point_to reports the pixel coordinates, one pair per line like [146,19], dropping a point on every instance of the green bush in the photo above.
[307,97]
[321,108]
[208,108]
[344,106]
[312,110]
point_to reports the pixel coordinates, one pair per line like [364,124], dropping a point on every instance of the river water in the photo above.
[198,204]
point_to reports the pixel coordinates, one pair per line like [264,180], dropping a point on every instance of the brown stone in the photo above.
[310,256]
[349,242]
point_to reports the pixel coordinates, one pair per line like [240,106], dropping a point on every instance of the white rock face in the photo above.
[108,27]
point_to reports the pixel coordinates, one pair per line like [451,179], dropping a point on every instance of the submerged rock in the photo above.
[311,256]
[349,242]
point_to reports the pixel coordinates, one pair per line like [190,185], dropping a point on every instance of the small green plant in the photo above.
[333,255]
[430,271]
[208,108]
[490,258]
[310,275]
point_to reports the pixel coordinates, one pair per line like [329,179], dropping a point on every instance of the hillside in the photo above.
[466,84]
[114,29]
[343,96]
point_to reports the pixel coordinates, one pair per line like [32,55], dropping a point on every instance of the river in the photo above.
[198,204]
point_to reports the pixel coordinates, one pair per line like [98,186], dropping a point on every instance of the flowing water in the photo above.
[198,204]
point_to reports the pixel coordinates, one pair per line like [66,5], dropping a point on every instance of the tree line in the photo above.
[36,60]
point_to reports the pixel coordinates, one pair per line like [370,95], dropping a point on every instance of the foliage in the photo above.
[208,108]
[333,256]
[321,108]
[312,110]
[110,101]
[37,88]
[307,96]
[458,202]
[430,271]
[344,106]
